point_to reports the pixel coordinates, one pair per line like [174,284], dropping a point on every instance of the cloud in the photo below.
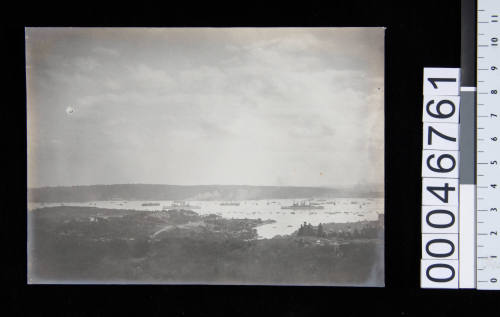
[86,64]
[105,51]
[201,106]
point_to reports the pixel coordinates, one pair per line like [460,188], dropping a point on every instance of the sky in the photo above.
[191,106]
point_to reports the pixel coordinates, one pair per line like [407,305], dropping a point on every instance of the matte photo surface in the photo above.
[205,156]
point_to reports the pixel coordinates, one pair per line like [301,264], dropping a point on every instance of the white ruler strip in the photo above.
[488,145]
[467,228]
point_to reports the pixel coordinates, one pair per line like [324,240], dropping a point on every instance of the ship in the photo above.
[316,203]
[181,205]
[302,205]
[230,203]
[150,204]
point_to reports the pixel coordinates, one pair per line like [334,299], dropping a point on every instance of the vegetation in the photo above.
[308,230]
[83,244]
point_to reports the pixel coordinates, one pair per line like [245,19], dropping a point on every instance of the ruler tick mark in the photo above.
[487,153]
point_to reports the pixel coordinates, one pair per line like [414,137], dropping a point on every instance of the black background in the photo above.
[419,34]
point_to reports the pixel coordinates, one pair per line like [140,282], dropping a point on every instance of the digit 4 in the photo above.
[446,188]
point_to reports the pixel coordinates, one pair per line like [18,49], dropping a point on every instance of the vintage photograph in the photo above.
[244,156]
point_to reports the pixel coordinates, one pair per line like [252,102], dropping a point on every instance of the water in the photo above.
[287,220]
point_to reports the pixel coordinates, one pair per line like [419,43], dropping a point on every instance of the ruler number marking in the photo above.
[439,114]
[433,81]
[446,188]
[444,136]
[440,168]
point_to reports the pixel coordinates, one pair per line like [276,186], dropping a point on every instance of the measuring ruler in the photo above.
[473,142]
[488,145]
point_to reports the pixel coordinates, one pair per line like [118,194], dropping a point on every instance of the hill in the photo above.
[191,192]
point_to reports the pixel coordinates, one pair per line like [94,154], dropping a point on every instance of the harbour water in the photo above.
[338,210]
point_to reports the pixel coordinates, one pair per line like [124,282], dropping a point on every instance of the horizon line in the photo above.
[191,185]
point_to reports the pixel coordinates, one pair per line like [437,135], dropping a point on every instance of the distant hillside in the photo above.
[197,192]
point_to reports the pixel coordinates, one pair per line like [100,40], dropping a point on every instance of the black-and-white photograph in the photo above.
[244,156]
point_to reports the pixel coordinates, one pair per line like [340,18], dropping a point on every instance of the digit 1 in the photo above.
[433,81]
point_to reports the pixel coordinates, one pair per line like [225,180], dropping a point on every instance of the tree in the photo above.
[301,231]
[320,232]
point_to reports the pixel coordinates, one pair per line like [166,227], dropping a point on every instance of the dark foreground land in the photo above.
[93,245]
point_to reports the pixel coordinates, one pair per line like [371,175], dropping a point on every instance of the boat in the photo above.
[302,205]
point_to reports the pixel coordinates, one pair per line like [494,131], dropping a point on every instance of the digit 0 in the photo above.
[440,265]
[439,255]
[438,225]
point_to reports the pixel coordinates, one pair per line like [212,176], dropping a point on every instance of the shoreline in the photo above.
[88,243]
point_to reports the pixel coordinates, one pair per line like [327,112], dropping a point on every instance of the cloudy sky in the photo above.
[268,106]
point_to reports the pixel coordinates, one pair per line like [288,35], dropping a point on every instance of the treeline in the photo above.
[368,232]
[306,229]
[177,192]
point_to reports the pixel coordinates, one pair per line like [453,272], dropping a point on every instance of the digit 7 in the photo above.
[432,130]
